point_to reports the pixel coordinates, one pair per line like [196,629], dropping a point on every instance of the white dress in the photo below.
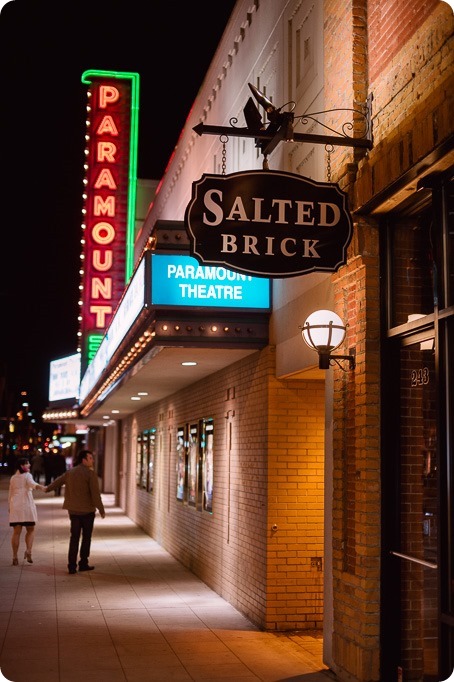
[22,506]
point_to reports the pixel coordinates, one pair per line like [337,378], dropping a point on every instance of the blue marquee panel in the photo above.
[181,281]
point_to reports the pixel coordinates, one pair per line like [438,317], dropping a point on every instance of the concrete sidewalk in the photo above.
[140,616]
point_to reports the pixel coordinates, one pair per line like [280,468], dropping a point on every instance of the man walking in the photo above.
[82,498]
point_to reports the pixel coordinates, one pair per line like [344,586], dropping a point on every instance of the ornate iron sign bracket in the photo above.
[281,126]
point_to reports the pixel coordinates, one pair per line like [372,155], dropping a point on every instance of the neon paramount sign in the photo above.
[108,198]
[268,223]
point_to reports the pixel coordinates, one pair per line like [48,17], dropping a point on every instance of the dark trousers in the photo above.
[80,523]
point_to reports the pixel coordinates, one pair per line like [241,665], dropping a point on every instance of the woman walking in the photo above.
[22,508]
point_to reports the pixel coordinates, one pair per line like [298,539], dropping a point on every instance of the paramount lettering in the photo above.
[279,211]
[106,221]
[193,272]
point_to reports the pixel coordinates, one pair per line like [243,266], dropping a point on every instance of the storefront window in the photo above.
[449,210]
[412,269]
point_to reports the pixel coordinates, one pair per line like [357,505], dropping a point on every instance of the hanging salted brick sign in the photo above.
[268,223]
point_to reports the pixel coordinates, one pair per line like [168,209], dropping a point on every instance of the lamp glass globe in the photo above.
[323,330]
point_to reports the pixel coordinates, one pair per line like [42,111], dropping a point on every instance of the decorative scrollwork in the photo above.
[280,127]
[347,128]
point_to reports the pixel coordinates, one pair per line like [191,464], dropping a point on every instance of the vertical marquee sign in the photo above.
[109,201]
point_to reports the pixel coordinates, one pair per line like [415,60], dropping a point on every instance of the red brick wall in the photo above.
[345,80]
[391,23]
[413,98]
[402,54]
[356,409]
[356,465]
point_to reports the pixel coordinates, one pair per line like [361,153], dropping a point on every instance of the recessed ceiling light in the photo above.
[188,363]
[135,397]
[115,411]
[142,393]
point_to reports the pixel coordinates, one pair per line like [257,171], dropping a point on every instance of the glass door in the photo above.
[417,463]
[415,540]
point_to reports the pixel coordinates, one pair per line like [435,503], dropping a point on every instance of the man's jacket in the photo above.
[82,494]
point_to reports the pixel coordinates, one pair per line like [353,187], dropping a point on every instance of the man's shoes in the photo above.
[72,571]
[86,568]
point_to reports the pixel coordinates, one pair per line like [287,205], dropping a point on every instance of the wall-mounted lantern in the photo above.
[324,331]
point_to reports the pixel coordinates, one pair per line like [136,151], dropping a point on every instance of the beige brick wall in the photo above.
[296,505]
[269,462]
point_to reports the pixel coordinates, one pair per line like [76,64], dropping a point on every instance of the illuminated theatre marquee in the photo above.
[109,201]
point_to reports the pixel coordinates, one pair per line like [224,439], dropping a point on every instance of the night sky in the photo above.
[45,48]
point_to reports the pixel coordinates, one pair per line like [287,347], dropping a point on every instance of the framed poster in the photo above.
[181,463]
[207,464]
[151,455]
[139,459]
[144,467]
[193,463]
